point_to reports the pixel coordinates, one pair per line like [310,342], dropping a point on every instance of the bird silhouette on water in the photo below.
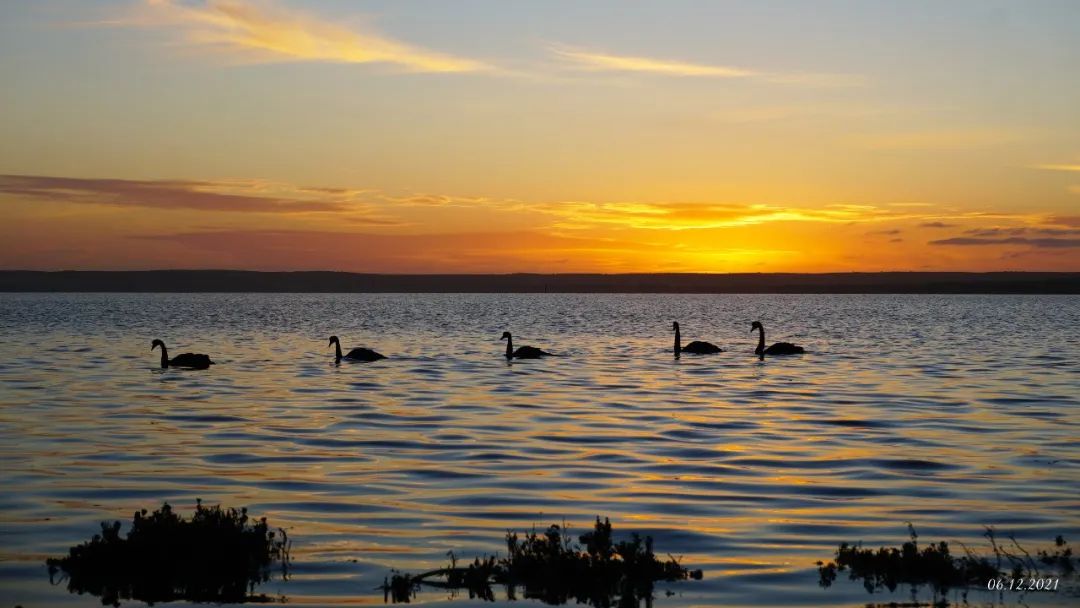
[524,352]
[696,347]
[779,348]
[356,354]
[188,360]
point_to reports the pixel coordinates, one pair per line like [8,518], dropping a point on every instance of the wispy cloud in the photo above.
[237,196]
[441,200]
[380,208]
[591,60]
[697,216]
[1058,167]
[1044,243]
[253,223]
[1039,236]
[1022,230]
[258,31]
[599,61]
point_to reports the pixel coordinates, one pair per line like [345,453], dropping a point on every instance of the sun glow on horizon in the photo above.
[269,135]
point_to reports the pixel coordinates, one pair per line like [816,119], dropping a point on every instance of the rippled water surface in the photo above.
[951,412]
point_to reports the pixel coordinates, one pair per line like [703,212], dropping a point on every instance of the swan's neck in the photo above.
[761,341]
[509,348]
[337,350]
[678,344]
[164,356]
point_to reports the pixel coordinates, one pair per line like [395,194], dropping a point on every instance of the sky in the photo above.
[540,136]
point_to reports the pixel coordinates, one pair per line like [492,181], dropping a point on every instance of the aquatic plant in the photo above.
[550,567]
[934,565]
[218,555]
[1061,557]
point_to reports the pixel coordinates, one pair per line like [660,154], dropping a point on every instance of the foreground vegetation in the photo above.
[552,568]
[934,565]
[221,555]
[218,555]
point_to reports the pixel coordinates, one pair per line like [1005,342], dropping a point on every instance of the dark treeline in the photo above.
[180,281]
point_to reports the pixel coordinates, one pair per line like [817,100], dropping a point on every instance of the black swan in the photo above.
[780,348]
[190,360]
[356,354]
[696,347]
[525,352]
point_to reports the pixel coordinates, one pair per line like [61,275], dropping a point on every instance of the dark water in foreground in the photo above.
[952,412]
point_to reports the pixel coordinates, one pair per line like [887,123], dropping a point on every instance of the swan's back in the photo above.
[784,348]
[191,360]
[530,352]
[364,354]
[697,347]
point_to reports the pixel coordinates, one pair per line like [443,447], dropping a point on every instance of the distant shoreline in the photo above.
[242,281]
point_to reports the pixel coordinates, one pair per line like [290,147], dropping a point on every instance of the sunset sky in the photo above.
[554,136]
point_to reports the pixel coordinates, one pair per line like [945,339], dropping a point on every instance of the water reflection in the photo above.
[218,555]
[551,567]
[964,415]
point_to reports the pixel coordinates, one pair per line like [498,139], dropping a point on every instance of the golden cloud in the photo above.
[597,61]
[589,60]
[262,32]
[1058,167]
[696,216]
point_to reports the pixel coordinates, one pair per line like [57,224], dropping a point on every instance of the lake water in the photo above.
[951,412]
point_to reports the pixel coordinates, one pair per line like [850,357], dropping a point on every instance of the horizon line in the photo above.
[307,281]
[537,273]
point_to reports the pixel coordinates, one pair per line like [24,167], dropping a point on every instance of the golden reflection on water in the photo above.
[751,470]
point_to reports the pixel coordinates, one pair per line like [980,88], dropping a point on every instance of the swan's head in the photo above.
[675,326]
[505,336]
[156,343]
[756,325]
[332,340]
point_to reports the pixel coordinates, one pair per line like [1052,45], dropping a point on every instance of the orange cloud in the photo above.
[686,216]
[257,224]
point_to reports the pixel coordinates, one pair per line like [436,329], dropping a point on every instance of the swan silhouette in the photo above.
[696,347]
[356,354]
[525,352]
[780,348]
[189,360]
